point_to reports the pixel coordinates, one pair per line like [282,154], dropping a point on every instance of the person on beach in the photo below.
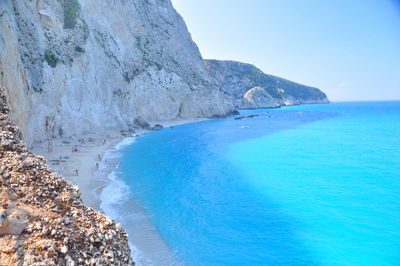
[76,171]
[98,155]
[97,166]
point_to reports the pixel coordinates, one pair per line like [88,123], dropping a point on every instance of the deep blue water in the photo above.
[301,185]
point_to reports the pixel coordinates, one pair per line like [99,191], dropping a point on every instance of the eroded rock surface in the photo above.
[76,67]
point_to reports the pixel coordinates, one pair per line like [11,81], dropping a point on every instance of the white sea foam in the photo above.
[125,142]
[136,254]
[117,202]
[113,195]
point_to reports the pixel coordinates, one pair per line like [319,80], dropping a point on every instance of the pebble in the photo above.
[64,249]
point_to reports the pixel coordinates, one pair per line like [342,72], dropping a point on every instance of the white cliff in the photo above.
[256,97]
[74,67]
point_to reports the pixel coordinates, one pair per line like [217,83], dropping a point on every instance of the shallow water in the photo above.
[302,185]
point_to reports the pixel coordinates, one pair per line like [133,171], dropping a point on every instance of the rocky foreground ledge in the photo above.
[42,218]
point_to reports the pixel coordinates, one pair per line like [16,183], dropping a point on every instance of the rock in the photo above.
[258,97]
[64,249]
[14,221]
[157,127]
[244,117]
[29,162]
[139,121]
[2,217]
[45,13]
[69,261]
[218,116]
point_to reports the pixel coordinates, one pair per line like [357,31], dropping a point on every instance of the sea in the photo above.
[298,185]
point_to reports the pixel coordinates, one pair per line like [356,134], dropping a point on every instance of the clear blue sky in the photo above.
[348,48]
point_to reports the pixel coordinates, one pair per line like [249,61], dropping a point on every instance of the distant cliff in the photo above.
[251,88]
[73,67]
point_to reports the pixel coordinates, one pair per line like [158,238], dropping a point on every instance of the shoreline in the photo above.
[147,245]
[95,176]
[84,160]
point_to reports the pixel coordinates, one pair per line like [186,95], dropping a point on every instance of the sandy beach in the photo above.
[81,165]
[78,161]
[90,156]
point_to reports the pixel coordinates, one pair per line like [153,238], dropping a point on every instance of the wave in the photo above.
[113,195]
[125,142]
[116,192]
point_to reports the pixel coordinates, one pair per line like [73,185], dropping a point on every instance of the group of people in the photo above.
[75,149]
[61,159]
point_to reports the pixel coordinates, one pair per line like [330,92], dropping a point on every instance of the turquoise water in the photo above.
[302,185]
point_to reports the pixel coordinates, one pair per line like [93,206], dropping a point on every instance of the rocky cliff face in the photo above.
[251,88]
[73,67]
[42,218]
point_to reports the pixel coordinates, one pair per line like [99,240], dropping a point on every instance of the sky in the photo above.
[350,49]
